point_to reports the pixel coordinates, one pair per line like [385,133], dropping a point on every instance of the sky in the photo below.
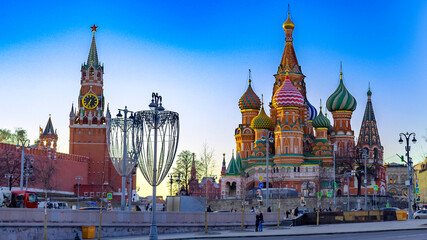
[196,55]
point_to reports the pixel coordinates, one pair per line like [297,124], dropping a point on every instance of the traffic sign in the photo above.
[375,187]
[417,190]
[260,178]
[329,194]
[319,195]
[109,196]
[260,185]
[387,205]
[335,185]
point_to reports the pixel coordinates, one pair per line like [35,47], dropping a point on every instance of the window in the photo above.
[91,194]
[314,169]
[85,194]
[98,194]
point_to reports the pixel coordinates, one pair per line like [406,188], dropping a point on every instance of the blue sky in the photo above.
[197,54]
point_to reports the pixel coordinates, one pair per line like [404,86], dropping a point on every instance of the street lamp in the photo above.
[153,127]
[365,156]
[176,178]
[270,139]
[22,143]
[78,178]
[409,164]
[119,149]
[134,160]
[28,170]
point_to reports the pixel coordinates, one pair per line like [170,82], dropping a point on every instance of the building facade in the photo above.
[294,140]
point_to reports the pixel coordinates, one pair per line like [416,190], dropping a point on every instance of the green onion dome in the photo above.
[321,121]
[341,99]
[262,121]
[249,99]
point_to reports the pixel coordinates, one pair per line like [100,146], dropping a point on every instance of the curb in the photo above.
[296,234]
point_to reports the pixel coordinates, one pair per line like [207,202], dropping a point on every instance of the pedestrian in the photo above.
[252,209]
[209,209]
[296,212]
[146,207]
[269,209]
[287,213]
[261,220]
[137,208]
[256,221]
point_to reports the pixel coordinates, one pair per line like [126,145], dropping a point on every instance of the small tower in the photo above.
[249,105]
[224,168]
[288,132]
[342,104]
[48,137]
[263,125]
[369,139]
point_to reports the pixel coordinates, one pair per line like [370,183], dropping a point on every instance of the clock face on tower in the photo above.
[90,101]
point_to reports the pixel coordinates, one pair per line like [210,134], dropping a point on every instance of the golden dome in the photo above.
[262,121]
[288,24]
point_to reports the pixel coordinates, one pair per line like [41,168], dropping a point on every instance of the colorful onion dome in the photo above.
[321,121]
[341,99]
[287,95]
[262,121]
[249,99]
[288,24]
[312,111]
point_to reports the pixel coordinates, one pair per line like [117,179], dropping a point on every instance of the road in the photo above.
[394,235]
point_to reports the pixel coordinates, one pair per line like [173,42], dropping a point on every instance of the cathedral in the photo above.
[298,143]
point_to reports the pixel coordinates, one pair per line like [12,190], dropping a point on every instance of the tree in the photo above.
[207,161]
[6,136]
[45,171]
[183,166]
[357,162]
[10,163]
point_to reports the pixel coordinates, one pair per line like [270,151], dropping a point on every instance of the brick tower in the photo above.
[88,126]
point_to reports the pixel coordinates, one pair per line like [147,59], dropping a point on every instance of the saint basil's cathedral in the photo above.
[302,143]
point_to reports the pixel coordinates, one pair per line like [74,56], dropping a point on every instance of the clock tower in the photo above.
[88,127]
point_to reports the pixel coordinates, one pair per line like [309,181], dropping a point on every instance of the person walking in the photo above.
[269,209]
[261,220]
[256,221]
[296,212]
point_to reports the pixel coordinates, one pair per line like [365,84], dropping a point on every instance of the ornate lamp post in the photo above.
[270,138]
[117,140]
[22,143]
[174,178]
[152,128]
[409,164]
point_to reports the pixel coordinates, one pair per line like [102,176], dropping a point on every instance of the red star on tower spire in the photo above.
[94,28]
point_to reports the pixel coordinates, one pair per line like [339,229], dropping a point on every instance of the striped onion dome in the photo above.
[288,96]
[341,99]
[321,121]
[312,111]
[262,121]
[249,99]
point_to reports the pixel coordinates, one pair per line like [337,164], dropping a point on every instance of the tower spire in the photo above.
[250,79]
[92,59]
[340,70]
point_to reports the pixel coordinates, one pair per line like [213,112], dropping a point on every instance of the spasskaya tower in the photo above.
[88,128]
